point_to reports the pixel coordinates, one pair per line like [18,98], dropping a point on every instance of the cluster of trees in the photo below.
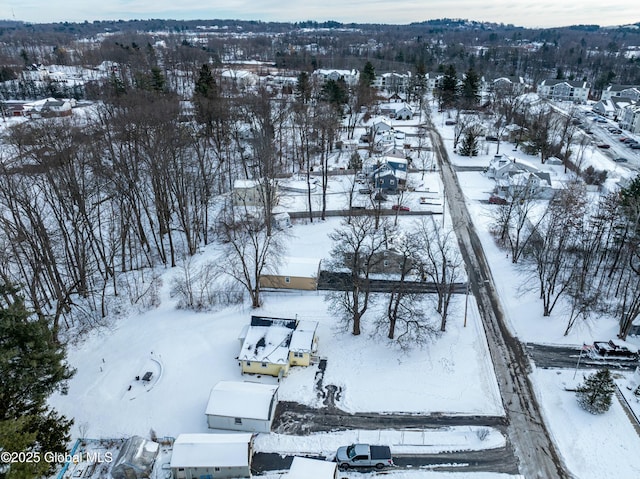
[93,202]
[580,254]
[365,246]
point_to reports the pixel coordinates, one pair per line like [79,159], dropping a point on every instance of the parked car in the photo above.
[364,191]
[363,455]
[620,160]
[491,138]
[450,122]
[615,131]
[611,350]
[400,208]
[635,146]
[604,146]
[497,200]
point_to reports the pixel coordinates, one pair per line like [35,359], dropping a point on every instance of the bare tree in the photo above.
[357,245]
[441,263]
[249,250]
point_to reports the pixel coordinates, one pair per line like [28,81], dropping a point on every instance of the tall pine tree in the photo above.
[32,366]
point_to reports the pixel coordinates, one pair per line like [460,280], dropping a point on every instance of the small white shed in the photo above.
[304,468]
[216,456]
[242,406]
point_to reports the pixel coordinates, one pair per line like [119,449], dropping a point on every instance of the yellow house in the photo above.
[294,273]
[272,345]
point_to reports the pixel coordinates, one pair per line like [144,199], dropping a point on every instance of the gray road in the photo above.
[545,356]
[527,432]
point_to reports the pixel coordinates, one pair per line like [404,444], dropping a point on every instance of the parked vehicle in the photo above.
[620,160]
[400,208]
[363,455]
[635,146]
[450,122]
[364,191]
[497,200]
[611,350]
[604,146]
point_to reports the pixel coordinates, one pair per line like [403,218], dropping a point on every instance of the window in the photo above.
[248,363]
[264,365]
[385,263]
[392,182]
[298,355]
[237,421]
[287,279]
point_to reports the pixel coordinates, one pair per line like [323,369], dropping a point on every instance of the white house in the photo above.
[630,119]
[350,77]
[398,111]
[613,107]
[621,91]
[305,468]
[564,90]
[215,456]
[242,406]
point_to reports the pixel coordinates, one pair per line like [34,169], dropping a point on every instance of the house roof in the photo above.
[241,399]
[302,337]
[268,340]
[211,450]
[304,468]
[299,267]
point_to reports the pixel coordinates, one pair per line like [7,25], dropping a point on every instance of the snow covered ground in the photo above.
[189,352]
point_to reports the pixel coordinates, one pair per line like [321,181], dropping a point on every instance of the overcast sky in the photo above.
[528,13]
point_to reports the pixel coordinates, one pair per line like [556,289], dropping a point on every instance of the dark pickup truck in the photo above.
[363,455]
[609,349]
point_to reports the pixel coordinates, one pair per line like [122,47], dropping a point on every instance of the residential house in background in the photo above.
[215,456]
[242,406]
[508,84]
[388,173]
[512,177]
[272,345]
[350,77]
[630,119]
[294,273]
[396,111]
[392,82]
[613,107]
[621,91]
[564,90]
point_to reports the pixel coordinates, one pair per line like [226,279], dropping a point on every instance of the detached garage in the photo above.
[242,406]
[211,456]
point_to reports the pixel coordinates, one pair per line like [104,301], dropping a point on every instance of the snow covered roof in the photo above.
[299,267]
[303,468]
[302,337]
[268,341]
[211,450]
[241,399]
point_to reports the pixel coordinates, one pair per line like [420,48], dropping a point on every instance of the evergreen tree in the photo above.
[32,366]
[595,394]
[205,84]
[368,74]
[470,89]
[469,146]
[303,88]
[335,92]
[449,89]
